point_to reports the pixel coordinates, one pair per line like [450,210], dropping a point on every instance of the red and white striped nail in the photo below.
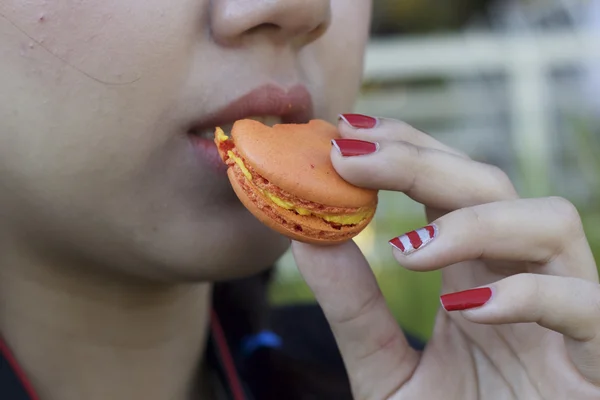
[415,240]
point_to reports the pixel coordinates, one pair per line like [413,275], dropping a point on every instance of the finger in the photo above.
[569,306]
[545,232]
[432,177]
[376,354]
[354,126]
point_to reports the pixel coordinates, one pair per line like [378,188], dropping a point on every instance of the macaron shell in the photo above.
[296,157]
[307,229]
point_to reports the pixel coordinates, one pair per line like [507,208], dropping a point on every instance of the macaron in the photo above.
[284,176]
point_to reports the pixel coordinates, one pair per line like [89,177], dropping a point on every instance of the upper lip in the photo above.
[293,105]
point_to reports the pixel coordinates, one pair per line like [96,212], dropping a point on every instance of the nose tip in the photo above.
[298,21]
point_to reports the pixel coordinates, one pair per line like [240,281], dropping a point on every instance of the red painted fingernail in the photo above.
[466,299]
[354,147]
[359,121]
[414,240]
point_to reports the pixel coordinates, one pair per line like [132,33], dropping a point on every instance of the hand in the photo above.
[530,331]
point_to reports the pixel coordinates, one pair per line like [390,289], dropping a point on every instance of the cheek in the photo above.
[85,81]
[339,55]
[112,41]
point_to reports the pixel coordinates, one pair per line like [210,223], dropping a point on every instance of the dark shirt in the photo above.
[243,371]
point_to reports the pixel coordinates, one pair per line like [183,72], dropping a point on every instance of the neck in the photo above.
[91,337]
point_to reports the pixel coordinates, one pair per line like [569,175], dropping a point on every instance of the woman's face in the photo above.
[97,102]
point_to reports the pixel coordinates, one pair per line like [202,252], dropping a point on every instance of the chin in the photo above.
[228,252]
[248,255]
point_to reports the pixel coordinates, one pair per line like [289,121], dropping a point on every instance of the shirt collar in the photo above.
[14,384]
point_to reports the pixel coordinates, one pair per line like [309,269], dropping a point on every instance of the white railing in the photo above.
[525,60]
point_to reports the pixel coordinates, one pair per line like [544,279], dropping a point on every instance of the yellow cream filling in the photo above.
[221,136]
[347,219]
[240,164]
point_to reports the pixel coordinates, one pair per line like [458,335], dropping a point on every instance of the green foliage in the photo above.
[424,16]
[587,144]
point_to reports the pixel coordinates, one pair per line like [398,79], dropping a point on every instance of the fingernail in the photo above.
[354,147]
[415,240]
[466,300]
[359,121]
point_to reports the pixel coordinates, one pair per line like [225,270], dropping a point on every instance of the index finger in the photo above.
[353,126]
[429,176]
[376,354]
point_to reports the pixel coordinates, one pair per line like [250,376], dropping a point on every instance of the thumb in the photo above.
[377,356]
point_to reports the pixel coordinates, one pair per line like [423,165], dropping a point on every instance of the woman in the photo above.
[116,219]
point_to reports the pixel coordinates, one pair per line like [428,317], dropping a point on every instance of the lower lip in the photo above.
[209,153]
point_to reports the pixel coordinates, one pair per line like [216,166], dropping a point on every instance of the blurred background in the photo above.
[513,83]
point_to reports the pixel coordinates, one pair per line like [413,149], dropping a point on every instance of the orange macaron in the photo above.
[283,175]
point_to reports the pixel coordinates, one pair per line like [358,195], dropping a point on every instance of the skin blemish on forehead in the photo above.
[42,18]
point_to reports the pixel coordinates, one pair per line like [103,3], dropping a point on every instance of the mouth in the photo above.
[269,104]
[209,132]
